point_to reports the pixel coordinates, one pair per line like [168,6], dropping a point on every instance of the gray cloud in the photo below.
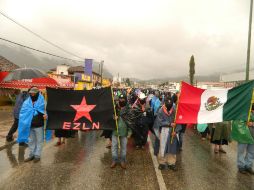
[149,40]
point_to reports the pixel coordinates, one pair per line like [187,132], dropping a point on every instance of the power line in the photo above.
[39,50]
[27,29]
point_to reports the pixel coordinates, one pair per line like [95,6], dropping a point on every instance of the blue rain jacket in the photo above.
[27,112]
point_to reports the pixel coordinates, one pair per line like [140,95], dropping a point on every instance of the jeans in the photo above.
[123,148]
[35,142]
[245,155]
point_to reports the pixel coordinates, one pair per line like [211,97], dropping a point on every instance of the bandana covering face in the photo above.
[35,97]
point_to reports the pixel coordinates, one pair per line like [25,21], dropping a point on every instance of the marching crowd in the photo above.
[137,113]
[144,111]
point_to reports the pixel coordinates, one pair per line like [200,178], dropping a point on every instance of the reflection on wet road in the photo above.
[83,163]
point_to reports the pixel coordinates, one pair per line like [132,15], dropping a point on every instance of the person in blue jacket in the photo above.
[31,123]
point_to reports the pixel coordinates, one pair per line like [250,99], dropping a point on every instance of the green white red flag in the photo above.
[196,105]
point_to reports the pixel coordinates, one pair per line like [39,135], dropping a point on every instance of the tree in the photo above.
[192,69]
[128,82]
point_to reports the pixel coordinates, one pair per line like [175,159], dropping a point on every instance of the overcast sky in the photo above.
[137,38]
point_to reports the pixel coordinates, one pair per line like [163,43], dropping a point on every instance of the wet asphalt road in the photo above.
[200,169]
[83,163]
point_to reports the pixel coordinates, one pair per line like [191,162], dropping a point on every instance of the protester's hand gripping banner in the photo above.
[80,110]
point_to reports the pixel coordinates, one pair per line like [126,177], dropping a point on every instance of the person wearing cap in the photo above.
[120,134]
[20,98]
[31,123]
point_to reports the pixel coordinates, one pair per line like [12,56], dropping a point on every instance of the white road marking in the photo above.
[160,179]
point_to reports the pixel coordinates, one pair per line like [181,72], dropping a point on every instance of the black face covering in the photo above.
[169,105]
[143,101]
[35,97]
[122,103]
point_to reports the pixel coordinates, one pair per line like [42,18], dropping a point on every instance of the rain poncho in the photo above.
[163,132]
[27,112]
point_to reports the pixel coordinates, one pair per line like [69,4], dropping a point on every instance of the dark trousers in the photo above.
[156,146]
[140,135]
[12,130]
[205,133]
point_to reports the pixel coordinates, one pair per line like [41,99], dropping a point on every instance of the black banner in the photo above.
[80,109]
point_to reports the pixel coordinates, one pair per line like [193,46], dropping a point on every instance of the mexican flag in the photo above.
[196,105]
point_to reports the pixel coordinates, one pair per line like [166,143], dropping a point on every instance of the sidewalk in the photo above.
[6,120]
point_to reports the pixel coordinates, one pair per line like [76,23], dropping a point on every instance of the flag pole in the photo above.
[115,117]
[176,112]
[251,102]
[45,108]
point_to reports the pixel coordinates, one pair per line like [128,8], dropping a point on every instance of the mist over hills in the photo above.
[25,58]
[209,78]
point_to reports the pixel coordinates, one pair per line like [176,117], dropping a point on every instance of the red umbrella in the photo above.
[41,83]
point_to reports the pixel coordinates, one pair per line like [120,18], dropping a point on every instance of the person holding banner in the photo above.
[169,138]
[120,134]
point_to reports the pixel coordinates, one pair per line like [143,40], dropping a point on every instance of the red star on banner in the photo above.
[83,110]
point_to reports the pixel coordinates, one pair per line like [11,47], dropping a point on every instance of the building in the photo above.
[83,81]
[5,67]
[214,85]
[61,75]
[64,81]
[62,69]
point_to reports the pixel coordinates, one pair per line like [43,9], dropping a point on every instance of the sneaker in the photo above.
[172,167]
[36,160]
[58,144]
[242,170]
[162,167]
[113,165]
[250,171]
[123,165]
[29,159]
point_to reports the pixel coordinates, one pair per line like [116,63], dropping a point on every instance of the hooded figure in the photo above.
[169,137]
[141,128]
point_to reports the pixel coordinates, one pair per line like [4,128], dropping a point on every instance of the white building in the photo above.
[62,69]
[117,79]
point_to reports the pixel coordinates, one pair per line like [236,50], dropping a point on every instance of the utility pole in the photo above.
[101,70]
[249,43]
